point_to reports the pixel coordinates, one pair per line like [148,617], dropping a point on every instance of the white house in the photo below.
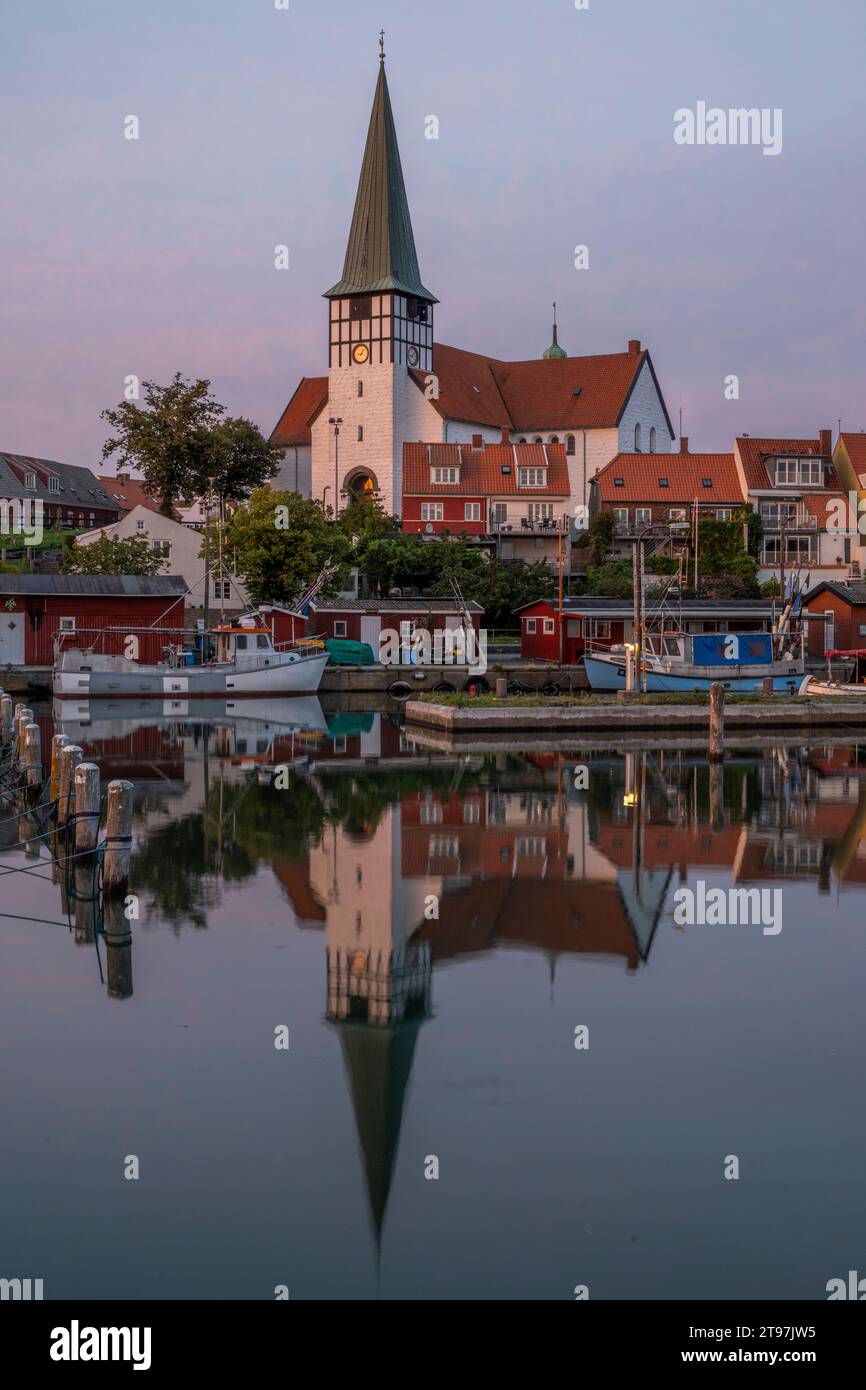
[179,546]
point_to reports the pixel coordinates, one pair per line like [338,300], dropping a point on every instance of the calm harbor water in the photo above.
[313,905]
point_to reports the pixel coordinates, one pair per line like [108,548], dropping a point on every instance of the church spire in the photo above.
[381,253]
[555,351]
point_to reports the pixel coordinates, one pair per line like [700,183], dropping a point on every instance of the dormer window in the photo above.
[799,472]
[53,483]
[533,477]
[445,475]
[30,480]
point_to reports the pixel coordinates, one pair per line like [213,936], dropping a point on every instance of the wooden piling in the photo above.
[84,879]
[32,755]
[768,687]
[23,715]
[87,806]
[501,687]
[118,839]
[58,743]
[717,721]
[6,720]
[70,757]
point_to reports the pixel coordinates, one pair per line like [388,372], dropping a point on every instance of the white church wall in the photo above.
[644,409]
[295,473]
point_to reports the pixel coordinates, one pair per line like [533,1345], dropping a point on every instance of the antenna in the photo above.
[381,45]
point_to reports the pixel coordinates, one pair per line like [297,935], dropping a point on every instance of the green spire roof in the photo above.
[555,350]
[381,253]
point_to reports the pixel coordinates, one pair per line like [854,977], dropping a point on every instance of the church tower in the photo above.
[380,329]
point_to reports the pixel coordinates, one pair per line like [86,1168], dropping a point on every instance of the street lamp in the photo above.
[336,421]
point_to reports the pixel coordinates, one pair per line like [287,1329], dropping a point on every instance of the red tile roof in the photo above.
[640,475]
[129,494]
[536,394]
[855,444]
[819,504]
[481,470]
[754,452]
[293,426]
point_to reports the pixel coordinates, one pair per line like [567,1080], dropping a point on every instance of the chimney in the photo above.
[684,444]
[634,347]
[123,478]
[506,432]
[826,437]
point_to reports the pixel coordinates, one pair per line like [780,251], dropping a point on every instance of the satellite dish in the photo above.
[429,528]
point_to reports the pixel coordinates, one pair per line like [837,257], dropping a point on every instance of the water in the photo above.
[413,1037]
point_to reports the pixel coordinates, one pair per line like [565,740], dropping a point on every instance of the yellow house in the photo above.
[849,458]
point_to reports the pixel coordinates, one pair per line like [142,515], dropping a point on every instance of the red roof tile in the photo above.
[293,426]
[129,494]
[481,469]
[640,475]
[819,504]
[754,452]
[567,393]
[855,445]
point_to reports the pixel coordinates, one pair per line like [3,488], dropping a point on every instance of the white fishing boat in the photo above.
[245,664]
[682,661]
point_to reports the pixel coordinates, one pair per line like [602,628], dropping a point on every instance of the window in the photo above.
[340,743]
[540,511]
[549,627]
[620,518]
[444,847]
[522,439]
[431,812]
[471,511]
[652,439]
[678,514]
[161,548]
[533,477]
[445,475]
[619,482]
[643,516]
[554,439]
[67,624]
[471,812]
[600,629]
[637,448]
[432,511]
[664,482]
[30,480]
[706,482]
[339,627]
[93,518]
[538,439]
[139,526]
[569,443]
[53,483]
[530,626]
[360,434]
[724,513]
[531,846]
[807,471]
[361,308]
[573,627]
[360,388]
[222,588]
[776,514]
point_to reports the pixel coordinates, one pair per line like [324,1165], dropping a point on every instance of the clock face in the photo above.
[360,352]
[413,356]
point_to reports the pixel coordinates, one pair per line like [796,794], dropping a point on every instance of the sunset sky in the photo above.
[556,129]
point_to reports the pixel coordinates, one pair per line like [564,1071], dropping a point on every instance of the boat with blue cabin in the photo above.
[684,661]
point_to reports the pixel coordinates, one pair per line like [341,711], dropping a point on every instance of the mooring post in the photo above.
[717,721]
[58,743]
[23,716]
[70,757]
[32,758]
[6,720]
[768,687]
[87,804]
[501,687]
[118,839]
[85,882]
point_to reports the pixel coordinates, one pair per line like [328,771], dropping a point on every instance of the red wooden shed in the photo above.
[36,608]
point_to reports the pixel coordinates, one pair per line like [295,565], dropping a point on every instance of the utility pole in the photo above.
[697,542]
[559,567]
[336,421]
[207,579]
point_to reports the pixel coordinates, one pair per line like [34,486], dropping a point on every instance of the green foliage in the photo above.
[279,542]
[601,536]
[722,555]
[610,580]
[771,589]
[112,555]
[367,519]
[183,445]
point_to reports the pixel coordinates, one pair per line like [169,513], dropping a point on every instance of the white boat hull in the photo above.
[82,677]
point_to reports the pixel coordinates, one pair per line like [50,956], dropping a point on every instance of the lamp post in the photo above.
[336,421]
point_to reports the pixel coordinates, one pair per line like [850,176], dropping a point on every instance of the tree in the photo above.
[112,555]
[183,446]
[279,542]
[601,535]
[722,555]
[611,580]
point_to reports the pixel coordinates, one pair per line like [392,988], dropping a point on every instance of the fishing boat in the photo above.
[245,663]
[683,661]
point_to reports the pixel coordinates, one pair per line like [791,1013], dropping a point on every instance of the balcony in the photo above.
[789,521]
[529,526]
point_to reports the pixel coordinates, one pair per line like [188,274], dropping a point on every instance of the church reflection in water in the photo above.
[408,861]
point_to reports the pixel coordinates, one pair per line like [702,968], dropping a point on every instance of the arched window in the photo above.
[637,439]
[522,439]
[360,433]
[554,439]
[538,439]
[569,444]
[652,439]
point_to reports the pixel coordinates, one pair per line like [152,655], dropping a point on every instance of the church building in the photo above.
[390,384]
